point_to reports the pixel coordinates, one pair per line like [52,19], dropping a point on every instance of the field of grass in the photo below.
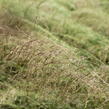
[54,54]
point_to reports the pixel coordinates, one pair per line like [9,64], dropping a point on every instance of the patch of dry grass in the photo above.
[50,63]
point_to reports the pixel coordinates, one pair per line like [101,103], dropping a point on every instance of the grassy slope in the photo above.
[54,54]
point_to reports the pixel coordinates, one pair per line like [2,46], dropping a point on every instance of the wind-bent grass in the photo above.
[97,20]
[51,60]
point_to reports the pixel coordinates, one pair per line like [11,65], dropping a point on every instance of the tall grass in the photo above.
[54,55]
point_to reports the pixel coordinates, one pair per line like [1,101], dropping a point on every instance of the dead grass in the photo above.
[47,63]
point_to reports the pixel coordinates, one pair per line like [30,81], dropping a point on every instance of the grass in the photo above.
[93,20]
[54,54]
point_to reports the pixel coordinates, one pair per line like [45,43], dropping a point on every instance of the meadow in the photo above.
[54,54]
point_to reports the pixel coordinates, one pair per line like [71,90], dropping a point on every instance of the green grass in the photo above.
[54,54]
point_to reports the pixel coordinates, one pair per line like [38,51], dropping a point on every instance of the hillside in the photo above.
[54,54]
